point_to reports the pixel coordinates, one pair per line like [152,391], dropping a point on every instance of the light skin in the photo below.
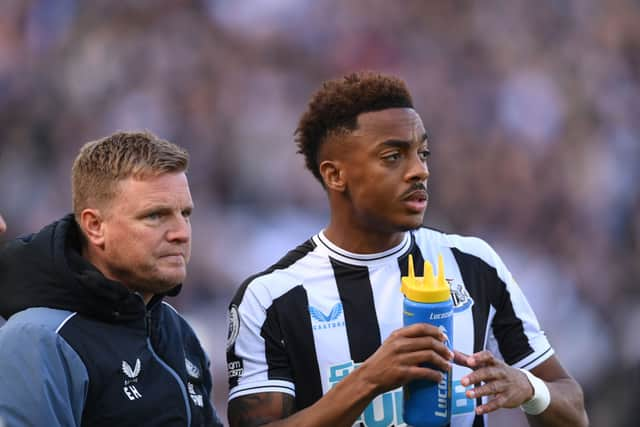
[3,225]
[142,237]
[376,179]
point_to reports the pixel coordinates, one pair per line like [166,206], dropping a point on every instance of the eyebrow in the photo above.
[401,143]
[163,208]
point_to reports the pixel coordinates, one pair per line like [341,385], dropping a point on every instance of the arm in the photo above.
[516,329]
[395,363]
[567,401]
[508,387]
[42,380]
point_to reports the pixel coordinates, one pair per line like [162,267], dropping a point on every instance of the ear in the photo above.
[333,175]
[92,224]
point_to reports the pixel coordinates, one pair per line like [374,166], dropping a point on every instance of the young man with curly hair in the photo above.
[317,339]
[89,340]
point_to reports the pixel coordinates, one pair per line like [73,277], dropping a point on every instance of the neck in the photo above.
[362,241]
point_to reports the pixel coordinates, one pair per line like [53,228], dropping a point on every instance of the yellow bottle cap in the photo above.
[428,288]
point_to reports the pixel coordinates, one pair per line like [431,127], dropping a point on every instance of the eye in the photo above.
[424,154]
[153,216]
[187,213]
[391,157]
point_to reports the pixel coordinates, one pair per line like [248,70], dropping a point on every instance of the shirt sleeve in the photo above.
[515,331]
[256,356]
[42,379]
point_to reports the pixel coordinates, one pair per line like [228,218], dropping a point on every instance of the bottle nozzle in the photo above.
[441,280]
[428,288]
[412,274]
[428,274]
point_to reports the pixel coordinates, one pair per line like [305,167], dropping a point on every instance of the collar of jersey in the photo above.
[363,259]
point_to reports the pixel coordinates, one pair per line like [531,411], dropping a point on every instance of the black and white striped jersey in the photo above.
[306,322]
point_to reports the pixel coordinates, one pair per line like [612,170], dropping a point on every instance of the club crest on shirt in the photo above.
[460,296]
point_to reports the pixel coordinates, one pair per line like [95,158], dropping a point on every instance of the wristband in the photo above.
[541,397]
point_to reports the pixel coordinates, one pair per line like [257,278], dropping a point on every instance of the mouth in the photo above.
[416,200]
[174,257]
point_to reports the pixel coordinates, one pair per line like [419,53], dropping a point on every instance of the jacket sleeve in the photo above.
[43,381]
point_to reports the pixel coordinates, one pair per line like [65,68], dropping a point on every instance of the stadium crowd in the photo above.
[532,110]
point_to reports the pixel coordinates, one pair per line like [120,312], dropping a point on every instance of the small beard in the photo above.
[153,284]
[158,286]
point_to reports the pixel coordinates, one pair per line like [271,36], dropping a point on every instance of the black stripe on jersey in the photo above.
[487,289]
[418,260]
[356,295]
[289,317]
[286,261]
[289,259]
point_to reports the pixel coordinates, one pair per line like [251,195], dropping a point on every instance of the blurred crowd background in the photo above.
[532,110]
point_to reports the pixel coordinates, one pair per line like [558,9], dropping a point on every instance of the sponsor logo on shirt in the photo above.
[130,379]
[386,409]
[197,398]
[333,319]
[235,368]
[192,369]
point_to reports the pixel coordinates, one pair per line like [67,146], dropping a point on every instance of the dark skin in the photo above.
[507,387]
[376,179]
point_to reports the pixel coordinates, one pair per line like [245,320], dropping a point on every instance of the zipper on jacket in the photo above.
[183,388]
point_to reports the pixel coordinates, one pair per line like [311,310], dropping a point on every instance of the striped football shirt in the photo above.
[306,322]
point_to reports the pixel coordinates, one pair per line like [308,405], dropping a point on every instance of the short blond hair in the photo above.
[101,164]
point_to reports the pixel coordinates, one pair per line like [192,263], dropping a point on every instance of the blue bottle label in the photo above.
[427,403]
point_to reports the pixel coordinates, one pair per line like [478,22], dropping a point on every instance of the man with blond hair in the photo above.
[89,339]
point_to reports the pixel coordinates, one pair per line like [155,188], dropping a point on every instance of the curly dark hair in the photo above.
[336,105]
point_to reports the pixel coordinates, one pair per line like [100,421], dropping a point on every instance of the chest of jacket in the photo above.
[144,375]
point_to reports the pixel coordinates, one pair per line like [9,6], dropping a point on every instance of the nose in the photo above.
[418,169]
[179,230]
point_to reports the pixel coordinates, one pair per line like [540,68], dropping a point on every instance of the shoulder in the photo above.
[278,278]
[45,381]
[469,246]
[38,321]
[31,341]
[37,331]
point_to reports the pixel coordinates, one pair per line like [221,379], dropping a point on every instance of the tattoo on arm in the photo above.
[259,409]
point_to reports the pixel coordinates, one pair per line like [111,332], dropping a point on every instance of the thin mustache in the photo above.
[418,186]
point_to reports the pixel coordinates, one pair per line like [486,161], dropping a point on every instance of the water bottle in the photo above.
[428,299]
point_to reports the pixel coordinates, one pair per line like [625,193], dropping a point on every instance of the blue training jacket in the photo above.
[81,350]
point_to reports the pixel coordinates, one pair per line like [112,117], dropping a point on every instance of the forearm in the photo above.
[341,406]
[566,407]
[396,362]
